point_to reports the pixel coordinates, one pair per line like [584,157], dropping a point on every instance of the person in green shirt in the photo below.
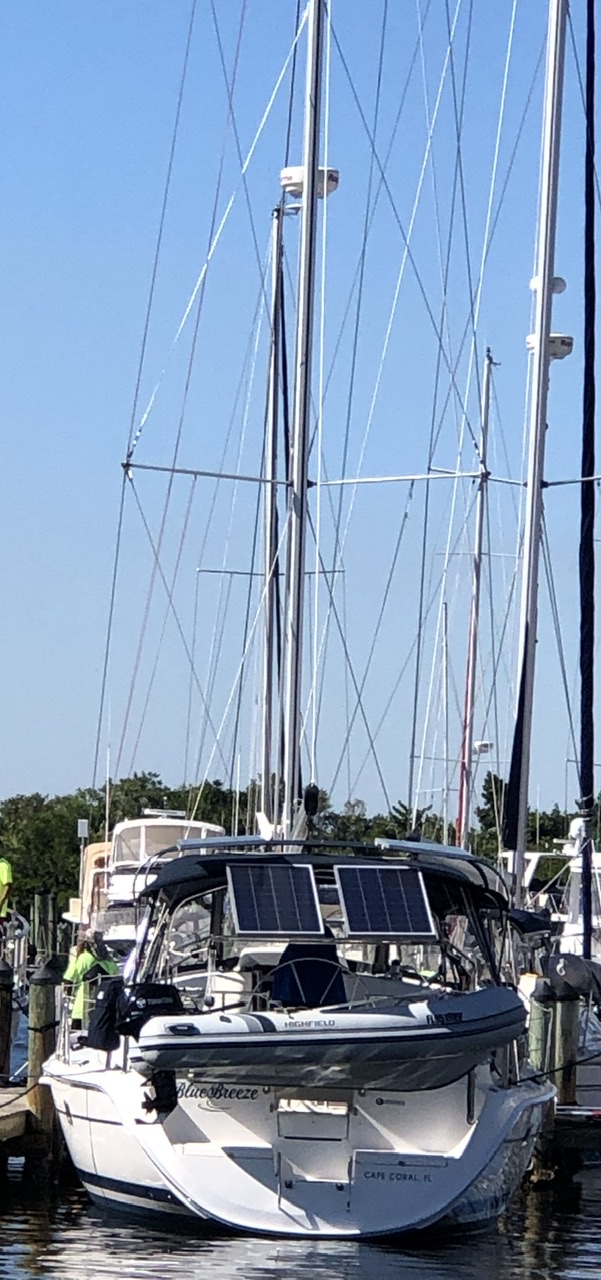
[90,962]
[6,879]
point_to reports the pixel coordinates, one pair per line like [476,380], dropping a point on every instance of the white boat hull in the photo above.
[372,1163]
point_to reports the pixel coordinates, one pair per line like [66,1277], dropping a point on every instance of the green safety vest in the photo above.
[76,972]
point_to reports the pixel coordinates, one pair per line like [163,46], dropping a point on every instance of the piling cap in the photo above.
[50,974]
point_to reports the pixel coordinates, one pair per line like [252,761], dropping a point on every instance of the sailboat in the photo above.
[316,1038]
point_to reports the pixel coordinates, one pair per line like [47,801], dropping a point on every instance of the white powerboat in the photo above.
[317,1041]
[109,871]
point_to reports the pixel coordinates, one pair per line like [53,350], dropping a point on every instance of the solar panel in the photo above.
[385,902]
[276,899]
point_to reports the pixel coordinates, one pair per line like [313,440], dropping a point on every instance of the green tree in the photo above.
[39,835]
[130,796]
[490,814]
[545,828]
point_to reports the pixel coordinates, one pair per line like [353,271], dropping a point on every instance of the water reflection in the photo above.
[548,1235]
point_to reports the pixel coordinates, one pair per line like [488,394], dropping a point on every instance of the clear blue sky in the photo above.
[88,101]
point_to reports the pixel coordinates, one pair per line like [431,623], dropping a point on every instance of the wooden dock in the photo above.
[28,1127]
[577,1128]
[23,1136]
[14,1113]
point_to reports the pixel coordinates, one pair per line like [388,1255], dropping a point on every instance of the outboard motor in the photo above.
[144,1000]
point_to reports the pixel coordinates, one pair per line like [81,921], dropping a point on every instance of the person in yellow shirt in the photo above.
[6,879]
[90,962]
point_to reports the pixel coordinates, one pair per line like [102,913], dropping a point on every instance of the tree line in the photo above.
[38,833]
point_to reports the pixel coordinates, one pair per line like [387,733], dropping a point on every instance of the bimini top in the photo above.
[208,864]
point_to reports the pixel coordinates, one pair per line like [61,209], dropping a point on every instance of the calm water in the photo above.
[544,1236]
[549,1234]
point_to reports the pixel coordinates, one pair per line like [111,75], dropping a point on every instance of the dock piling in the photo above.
[43,1024]
[6,1020]
[567,1025]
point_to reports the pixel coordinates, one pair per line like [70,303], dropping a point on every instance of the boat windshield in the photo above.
[197,946]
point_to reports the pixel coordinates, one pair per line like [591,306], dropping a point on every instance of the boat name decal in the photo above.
[299,1024]
[217,1092]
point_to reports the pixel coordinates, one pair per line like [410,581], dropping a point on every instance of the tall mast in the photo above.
[587,515]
[466,773]
[515,833]
[297,510]
[271,455]
[445,694]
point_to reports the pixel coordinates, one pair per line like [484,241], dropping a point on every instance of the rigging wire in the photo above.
[163,631]
[259,315]
[491,616]
[498,648]
[229,85]
[162,219]
[358,268]
[346,651]
[458,114]
[379,621]
[217,732]
[210,238]
[412,790]
[582,94]
[215,241]
[107,646]
[314,729]
[255,537]
[404,234]
[190,683]
[169,490]
[557,631]
[117,552]
[280,319]
[432,598]
[475,289]
[337,549]
[212,503]
[492,221]
[358,275]
[178,623]
[475,305]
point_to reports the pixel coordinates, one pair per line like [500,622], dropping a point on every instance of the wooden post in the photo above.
[6,1020]
[565,1043]
[52,922]
[43,922]
[42,1042]
[540,1024]
[35,920]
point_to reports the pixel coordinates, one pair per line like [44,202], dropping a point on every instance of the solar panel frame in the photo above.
[283,904]
[378,916]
